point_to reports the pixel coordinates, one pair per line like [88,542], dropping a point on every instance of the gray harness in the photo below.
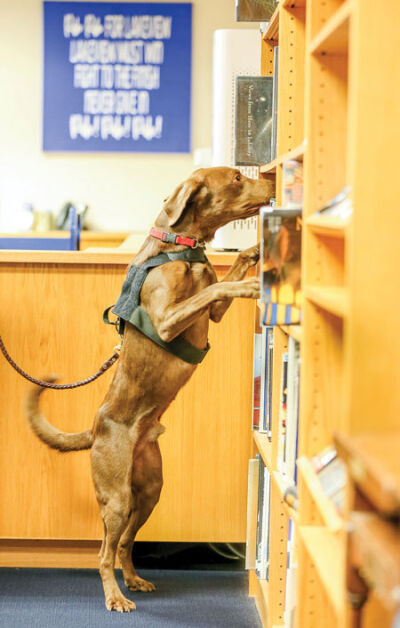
[128,307]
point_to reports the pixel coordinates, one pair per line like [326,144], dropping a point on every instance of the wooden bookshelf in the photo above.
[338,103]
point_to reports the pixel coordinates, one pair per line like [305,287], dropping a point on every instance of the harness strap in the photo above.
[128,306]
[179,347]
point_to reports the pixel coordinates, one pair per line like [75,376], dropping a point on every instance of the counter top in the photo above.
[106,256]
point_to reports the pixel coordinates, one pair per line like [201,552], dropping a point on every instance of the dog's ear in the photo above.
[176,204]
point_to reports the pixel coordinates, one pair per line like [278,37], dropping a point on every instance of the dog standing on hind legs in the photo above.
[177,293]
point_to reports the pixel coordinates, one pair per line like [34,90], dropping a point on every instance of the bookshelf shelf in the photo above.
[295,153]
[333,38]
[264,447]
[326,552]
[328,226]
[293,330]
[333,299]
[282,484]
[326,508]
[271,35]
[269,168]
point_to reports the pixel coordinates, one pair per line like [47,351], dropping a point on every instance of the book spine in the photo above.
[260,508]
[265,526]
[281,462]
[252,499]
[264,367]
[270,349]
[257,360]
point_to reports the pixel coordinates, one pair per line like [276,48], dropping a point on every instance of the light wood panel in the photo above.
[373,391]
[51,321]
[277,556]
[291,79]
[98,238]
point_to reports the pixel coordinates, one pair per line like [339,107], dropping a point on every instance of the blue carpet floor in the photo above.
[68,598]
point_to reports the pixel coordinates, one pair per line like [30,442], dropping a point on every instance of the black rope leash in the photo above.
[104,367]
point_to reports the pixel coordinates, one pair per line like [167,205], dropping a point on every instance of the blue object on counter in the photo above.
[69,243]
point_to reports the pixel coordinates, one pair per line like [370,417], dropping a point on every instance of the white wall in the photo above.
[124,191]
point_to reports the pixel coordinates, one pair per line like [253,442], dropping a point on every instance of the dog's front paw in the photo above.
[139,584]
[120,603]
[252,255]
[249,288]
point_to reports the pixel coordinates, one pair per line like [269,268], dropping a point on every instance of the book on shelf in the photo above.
[274,131]
[257,361]
[292,183]
[254,10]
[280,266]
[331,472]
[267,344]
[262,546]
[293,401]
[282,416]
[268,380]
[252,509]
[253,120]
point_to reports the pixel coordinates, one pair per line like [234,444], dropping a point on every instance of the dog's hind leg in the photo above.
[115,518]
[146,487]
[112,480]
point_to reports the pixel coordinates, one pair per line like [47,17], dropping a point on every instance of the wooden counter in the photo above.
[51,322]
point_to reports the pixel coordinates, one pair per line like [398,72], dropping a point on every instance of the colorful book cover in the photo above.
[281,266]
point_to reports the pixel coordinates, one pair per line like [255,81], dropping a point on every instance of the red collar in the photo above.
[172,238]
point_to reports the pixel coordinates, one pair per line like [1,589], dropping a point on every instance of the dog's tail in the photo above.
[50,435]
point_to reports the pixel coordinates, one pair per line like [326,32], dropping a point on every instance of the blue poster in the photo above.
[117,77]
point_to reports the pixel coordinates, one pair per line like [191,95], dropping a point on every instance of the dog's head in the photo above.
[210,198]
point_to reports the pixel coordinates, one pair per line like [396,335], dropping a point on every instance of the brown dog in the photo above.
[180,298]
